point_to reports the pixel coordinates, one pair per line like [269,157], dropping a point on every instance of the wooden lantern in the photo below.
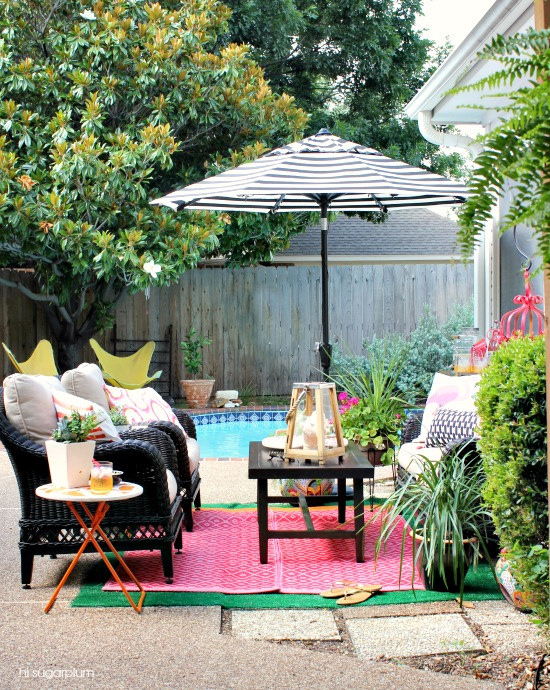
[313,443]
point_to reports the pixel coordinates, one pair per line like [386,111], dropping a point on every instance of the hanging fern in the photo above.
[518,149]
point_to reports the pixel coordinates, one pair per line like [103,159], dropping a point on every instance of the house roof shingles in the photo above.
[409,231]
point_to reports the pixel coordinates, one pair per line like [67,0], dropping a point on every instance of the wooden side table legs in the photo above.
[91,531]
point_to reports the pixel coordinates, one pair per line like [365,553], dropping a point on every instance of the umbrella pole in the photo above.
[325,350]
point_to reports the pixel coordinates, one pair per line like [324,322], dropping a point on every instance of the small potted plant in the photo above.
[119,419]
[70,453]
[371,411]
[197,391]
[447,519]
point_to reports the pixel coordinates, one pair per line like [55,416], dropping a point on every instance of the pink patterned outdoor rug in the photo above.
[222,555]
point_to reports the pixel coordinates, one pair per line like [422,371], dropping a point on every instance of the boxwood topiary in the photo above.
[512,407]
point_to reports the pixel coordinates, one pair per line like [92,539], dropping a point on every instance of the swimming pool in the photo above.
[230,438]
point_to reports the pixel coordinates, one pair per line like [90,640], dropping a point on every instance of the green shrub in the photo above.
[428,349]
[512,407]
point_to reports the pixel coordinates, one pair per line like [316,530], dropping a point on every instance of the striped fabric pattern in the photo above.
[66,404]
[293,178]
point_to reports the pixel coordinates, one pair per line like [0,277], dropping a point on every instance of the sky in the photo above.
[444,18]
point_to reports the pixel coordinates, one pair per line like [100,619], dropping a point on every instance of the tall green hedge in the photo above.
[512,407]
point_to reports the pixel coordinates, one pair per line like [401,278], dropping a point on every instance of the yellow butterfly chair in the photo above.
[126,372]
[40,362]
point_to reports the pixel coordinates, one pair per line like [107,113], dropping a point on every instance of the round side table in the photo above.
[121,492]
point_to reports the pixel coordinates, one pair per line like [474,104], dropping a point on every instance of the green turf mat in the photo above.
[480,585]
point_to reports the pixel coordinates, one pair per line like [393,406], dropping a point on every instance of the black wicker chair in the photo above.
[188,481]
[466,447]
[148,522]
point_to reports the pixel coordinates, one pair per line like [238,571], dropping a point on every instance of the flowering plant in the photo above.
[371,411]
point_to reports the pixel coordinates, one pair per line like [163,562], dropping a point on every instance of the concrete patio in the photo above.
[203,647]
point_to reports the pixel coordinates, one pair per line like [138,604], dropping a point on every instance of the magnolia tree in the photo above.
[104,106]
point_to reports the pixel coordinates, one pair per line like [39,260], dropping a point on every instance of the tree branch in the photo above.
[37,297]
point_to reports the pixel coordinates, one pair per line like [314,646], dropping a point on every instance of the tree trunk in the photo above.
[70,338]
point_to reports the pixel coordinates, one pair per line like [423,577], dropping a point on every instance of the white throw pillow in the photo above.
[141,405]
[86,381]
[29,405]
[447,390]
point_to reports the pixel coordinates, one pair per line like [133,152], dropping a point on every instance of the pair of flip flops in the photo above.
[348,593]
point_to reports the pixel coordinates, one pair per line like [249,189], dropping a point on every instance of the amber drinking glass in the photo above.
[101,478]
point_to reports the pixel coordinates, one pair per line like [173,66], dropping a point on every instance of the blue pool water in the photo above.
[231,439]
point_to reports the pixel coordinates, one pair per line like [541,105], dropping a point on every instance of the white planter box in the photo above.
[70,463]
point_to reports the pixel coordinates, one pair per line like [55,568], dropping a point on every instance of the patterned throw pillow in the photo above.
[65,404]
[450,425]
[141,405]
[446,390]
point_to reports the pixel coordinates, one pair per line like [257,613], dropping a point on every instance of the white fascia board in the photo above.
[312,260]
[501,18]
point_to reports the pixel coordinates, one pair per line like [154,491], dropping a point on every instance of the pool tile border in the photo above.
[238,415]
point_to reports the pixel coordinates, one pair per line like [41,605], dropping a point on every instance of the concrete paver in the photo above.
[411,636]
[425,608]
[306,624]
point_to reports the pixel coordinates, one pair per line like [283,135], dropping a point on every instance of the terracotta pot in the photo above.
[197,391]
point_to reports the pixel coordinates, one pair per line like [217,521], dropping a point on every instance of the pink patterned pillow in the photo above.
[65,404]
[444,391]
[141,405]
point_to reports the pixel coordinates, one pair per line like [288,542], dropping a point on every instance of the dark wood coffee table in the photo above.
[354,465]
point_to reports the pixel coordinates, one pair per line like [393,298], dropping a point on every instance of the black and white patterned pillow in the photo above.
[449,425]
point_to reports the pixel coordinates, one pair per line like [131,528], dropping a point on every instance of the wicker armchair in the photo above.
[148,522]
[467,447]
[188,477]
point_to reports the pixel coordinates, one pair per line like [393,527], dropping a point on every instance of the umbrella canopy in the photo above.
[322,172]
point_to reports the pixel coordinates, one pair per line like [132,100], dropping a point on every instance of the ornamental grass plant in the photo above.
[446,517]
[372,412]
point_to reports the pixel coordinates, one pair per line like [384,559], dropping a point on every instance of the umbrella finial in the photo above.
[323,130]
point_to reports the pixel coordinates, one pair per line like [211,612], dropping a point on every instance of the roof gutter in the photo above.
[499,17]
[436,136]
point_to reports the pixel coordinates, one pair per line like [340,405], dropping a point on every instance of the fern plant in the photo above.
[517,149]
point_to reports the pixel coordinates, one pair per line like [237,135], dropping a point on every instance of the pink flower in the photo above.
[398,416]
[354,401]
[342,396]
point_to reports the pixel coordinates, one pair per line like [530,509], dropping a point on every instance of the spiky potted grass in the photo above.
[372,412]
[70,453]
[446,518]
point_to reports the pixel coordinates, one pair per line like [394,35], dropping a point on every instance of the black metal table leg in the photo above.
[262,519]
[359,520]
[341,500]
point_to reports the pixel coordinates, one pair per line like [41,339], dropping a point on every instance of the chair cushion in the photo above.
[172,485]
[65,404]
[411,457]
[86,381]
[451,424]
[141,405]
[194,454]
[29,405]
[446,389]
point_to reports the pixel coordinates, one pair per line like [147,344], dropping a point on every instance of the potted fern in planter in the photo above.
[446,518]
[70,453]
[197,391]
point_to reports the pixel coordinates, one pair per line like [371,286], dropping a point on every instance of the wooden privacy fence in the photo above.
[265,321]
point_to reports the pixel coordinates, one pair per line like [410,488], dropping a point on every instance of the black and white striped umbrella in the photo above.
[322,172]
